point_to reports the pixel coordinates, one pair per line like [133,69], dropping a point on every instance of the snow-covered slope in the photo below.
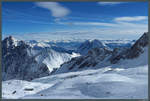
[53,59]
[28,61]
[103,83]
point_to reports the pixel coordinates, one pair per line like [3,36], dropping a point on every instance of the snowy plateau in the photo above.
[93,69]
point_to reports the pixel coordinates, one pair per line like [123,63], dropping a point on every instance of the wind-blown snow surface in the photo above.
[131,83]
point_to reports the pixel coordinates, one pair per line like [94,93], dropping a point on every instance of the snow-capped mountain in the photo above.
[109,44]
[103,57]
[88,45]
[25,61]
[16,63]
[90,60]
[48,44]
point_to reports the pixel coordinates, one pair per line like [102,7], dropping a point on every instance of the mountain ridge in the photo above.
[103,57]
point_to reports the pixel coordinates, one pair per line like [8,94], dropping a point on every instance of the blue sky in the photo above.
[74,20]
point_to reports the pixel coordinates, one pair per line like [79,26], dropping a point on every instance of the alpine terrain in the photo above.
[91,69]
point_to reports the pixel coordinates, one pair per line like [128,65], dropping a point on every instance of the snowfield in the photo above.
[104,83]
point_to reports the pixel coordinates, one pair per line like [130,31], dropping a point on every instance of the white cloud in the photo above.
[134,18]
[92,33]
[109,3]
[55,8]
[89,23]
[114,25]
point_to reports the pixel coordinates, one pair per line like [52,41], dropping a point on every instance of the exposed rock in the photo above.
[134,51]
[88,45]
[94,56]
[16,62]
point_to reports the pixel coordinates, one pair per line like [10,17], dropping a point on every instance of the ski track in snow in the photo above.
[88,84]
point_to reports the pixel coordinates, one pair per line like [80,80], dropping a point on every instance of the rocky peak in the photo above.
[9,41]
[18,64]
[133,52]
[88,45]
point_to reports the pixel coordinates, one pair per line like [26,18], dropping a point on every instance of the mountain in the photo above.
[109,44]
[88,45]
[92,59]
[69,45]
[16,63]
[42,44]
[51,58]
[134,51]
[24,61]
[103,57]
[81,47]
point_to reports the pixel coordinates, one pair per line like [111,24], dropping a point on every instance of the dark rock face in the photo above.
[134,51]
[16,62]
[93,57]
[88,45]
[137,48]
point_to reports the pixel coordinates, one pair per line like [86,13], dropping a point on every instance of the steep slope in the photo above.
[28,61]
[93,58]
[52,59]
[17,64]
[133,52]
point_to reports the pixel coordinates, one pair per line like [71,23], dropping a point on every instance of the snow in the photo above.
[51,58]
[104,83]
[54,59]
[42,44]
[75,54]
[15,41]
[8,87]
